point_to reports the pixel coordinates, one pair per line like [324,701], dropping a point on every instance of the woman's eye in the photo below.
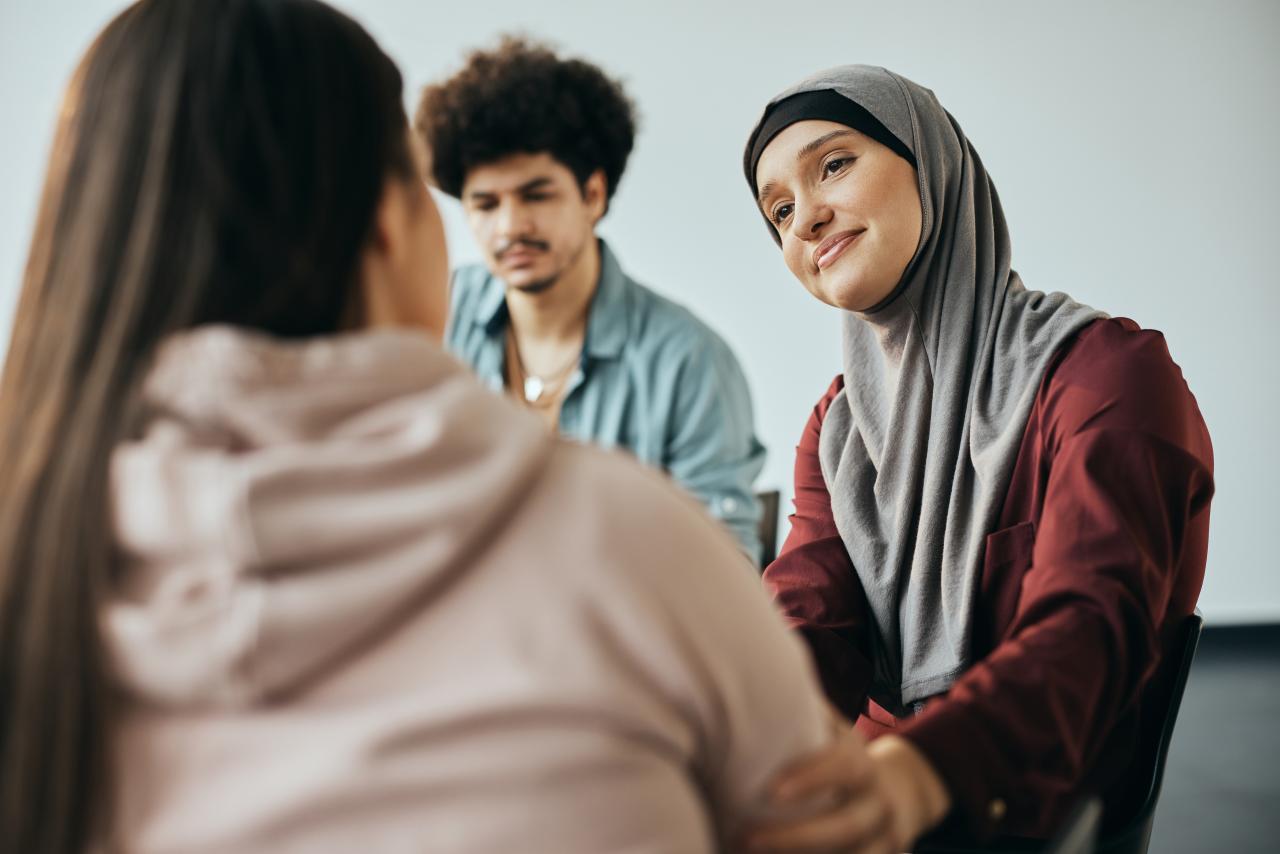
[780,213]
[834,165]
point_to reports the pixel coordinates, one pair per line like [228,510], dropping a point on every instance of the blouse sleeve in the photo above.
[813,582]
[1128,488]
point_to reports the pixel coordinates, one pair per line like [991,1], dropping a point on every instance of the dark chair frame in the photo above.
[1133,835]
[1130,834]
[767,526]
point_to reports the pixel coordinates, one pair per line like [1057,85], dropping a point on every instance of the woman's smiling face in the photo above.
[846,207]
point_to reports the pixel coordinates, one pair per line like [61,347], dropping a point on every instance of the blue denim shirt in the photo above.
[653,379]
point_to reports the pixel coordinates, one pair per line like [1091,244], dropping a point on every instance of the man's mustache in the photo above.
[519,242]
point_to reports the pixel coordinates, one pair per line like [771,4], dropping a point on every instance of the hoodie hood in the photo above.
[289,501]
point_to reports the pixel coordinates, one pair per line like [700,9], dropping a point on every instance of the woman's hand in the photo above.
[883,796]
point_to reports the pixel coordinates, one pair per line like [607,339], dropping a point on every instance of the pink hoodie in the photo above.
[369,606]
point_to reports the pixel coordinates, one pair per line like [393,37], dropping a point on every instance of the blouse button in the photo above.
[996,809]
[728,505]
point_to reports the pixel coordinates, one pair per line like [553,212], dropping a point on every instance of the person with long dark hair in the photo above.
[1002,501]
[278,574]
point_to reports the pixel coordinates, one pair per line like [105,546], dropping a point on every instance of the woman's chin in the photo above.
[861,297]
[851,299]
[846,296]
[834,297]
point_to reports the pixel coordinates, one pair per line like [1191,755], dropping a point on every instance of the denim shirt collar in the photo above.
[608,320]
[607,317]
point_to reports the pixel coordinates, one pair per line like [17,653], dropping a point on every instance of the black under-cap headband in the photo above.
[824,104]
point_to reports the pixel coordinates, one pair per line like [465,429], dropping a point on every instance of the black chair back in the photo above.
[1079,833]
[1129,833]
[767,527]
[1132,834]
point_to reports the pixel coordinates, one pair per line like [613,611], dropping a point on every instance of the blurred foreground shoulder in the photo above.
[680,603]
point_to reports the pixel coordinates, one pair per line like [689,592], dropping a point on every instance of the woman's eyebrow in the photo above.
[809,147]
[814,145]
[764,193]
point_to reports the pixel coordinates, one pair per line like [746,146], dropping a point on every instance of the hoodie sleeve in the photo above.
[695,622]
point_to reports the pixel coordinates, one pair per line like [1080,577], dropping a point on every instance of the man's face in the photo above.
[531,218]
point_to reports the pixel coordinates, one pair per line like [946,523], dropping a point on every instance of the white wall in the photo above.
[1134,146]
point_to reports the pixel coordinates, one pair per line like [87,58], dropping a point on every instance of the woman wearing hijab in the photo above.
[276,573]
[1002,503]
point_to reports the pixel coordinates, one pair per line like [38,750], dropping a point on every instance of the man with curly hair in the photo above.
[534,146]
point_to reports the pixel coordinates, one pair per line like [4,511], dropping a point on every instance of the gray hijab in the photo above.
[918,449]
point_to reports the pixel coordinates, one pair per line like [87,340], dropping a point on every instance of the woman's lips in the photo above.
[833,248]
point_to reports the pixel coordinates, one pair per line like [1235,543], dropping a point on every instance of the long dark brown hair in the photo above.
[215,161]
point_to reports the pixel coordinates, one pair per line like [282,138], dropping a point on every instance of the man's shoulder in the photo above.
[473,294]
[469,281]
[663,324]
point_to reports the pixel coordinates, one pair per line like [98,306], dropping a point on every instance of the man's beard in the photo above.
[541,286]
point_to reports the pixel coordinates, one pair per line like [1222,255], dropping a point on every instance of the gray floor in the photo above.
[1222,781]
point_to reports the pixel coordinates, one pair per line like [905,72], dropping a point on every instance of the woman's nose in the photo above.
[811,219]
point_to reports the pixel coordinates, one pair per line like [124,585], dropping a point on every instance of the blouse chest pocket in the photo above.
[1007,559]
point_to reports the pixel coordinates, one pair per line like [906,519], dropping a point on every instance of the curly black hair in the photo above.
[522,98]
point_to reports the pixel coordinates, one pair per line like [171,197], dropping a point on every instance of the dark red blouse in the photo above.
[1099,550]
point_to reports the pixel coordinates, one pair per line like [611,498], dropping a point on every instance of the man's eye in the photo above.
[780,213]
[537,197]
